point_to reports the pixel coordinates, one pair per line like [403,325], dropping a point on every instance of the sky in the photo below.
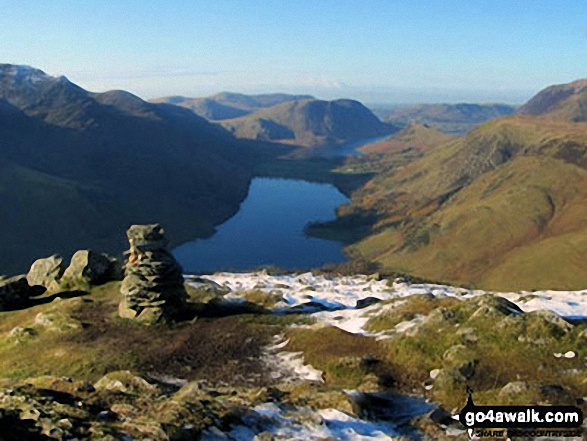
[377,51]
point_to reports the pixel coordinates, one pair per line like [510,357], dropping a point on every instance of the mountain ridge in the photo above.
[111,159]
[500,208]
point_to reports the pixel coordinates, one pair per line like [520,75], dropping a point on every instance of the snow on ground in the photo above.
[289,366]
[334,299]
[303,423]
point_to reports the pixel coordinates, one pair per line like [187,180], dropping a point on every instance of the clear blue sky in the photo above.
[373,50]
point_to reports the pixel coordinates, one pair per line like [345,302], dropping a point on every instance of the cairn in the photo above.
[153,286]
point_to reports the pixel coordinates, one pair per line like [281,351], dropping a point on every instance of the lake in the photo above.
[269,230]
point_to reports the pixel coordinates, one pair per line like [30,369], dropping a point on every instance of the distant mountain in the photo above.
[566,102]
[449,118]
[229,105]
[310,123]
[503,207]
[418,138]
[78,168]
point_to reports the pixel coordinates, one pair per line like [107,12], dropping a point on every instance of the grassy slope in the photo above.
[502,208]
[417,137]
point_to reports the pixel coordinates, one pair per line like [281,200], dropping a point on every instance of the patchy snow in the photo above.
[333,300]
[289,366]
[303,423]
[347,302]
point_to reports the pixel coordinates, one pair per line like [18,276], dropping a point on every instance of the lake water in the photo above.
[348,149]
[269,230]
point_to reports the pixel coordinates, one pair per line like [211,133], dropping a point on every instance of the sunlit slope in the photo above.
[566,102]
[504,207]
[415,137]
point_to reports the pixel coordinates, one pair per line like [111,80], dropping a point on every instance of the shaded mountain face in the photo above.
[449,118]
[79,167]
[310,123]
[566,102]
[229,105]
[503,208]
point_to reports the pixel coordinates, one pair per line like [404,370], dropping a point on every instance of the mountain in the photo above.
[310,123]
[450,118]
[503,207]
[227,105]
[566,102]
[418,138]
[79,166]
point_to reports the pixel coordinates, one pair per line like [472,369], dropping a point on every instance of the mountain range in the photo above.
[450,118]
[299,120]
[503,207]
[77,167]
[228,105]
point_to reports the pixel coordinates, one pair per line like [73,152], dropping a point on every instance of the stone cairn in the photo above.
[153,286]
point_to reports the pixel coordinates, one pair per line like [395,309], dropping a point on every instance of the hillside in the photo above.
[501,208]
[286,356]
[449,118]
[78,167]
[310,123]
[227,105]
[418,138]
[566,102]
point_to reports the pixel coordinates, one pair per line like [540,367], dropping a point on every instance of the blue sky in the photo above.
[374,50]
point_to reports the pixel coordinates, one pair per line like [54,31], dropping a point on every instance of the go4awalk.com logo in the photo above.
[520,421]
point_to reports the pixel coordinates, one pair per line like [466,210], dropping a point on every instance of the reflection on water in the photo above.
[269,230]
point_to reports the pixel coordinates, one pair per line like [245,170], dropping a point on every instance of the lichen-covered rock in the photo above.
[20,334]
[15,292]
[56,321]
[88,268]
[548,323]
[153,286]
[125,382]
[462,359]
[47,272]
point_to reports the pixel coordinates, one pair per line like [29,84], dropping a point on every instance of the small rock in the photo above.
[367,301]
[19,333]
[514,389]
[126,382]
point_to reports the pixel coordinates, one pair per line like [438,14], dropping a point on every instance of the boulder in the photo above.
[515,389]
[125,382]
[15,292]
[90,268]
[153,286]
[462,359]
[47,272]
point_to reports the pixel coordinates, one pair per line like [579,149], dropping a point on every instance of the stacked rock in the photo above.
[153,286]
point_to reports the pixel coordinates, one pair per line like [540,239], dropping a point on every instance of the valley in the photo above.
[293,221]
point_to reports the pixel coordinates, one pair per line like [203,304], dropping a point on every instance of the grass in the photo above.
[217,349]
[502,208]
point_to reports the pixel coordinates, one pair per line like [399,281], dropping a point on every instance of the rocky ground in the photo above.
[295,356]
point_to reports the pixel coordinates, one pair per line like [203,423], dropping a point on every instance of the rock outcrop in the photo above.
[153,286]
[47,272]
